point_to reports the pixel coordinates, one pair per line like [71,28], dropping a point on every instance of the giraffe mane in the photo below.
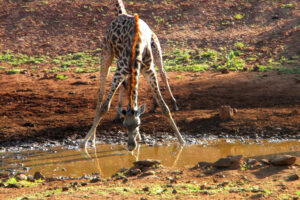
[132,57]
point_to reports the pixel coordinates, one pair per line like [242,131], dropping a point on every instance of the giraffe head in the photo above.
[131,123]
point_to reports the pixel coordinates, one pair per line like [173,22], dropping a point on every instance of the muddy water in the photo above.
[107,159]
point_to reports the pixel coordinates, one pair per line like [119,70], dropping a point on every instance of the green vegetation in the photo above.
[286,5]
[13,182]
[182,60]
[238,16]
[14,71]
[61,76]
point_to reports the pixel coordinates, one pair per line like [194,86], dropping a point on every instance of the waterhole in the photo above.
[107,159]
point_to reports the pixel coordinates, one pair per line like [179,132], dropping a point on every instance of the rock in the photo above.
[232,162]
[256,196]
[38,175]
[28,124]
[226,112]
[64,189]
[202,165]
[293,113]
[293,177]
[80,83]
[95,180]
[147,163]
[133,172]
[223,184]
[21,177]
[83,184]
[224,71]
[122,170]
[125,180]
[174,191]
[265,161]
[149,173]
[283,160]
[30,178]
[146,189]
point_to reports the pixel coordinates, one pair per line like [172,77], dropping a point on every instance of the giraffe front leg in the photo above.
[101,111]
[151,77]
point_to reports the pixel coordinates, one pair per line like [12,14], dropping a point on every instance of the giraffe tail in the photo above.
[132,56]
[120,8]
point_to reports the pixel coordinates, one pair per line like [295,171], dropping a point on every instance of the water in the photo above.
[107,159]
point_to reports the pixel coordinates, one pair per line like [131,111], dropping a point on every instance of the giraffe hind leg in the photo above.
[158,61]
[151,78]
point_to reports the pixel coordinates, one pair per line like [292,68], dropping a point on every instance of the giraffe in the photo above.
[158,61]
[119,41]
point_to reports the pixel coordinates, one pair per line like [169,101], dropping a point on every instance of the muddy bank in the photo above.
[48,109]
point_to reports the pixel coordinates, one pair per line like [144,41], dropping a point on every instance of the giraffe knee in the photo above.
[104,108]
[165,111]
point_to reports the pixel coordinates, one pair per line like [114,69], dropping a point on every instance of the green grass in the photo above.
[238,16]
[14,71]
[22,183]
[61,77]
[179,60]
[286,5]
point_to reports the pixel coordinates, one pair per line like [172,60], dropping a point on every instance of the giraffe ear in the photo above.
[141,110]
[121,111]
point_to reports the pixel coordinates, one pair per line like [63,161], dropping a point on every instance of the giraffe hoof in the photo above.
[175,108]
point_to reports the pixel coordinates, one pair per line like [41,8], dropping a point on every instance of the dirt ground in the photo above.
[35,105]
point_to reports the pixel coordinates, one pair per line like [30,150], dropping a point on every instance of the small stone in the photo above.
[21,177]
[147,163]
[283,160]
[122,170]
[95,180]
[293,177]
[293,113]
[256,196]
[252,161]
[232,162]
[224,71]
[83,184]
[174,191]
[64,189]
[202,165]
[133,172]
[146,189]
[38,175]
[223,184]
[265,161]
[226,112]
[28,124]
[149,173]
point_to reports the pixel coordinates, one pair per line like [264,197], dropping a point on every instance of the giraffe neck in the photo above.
[120,8]
[132,62]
